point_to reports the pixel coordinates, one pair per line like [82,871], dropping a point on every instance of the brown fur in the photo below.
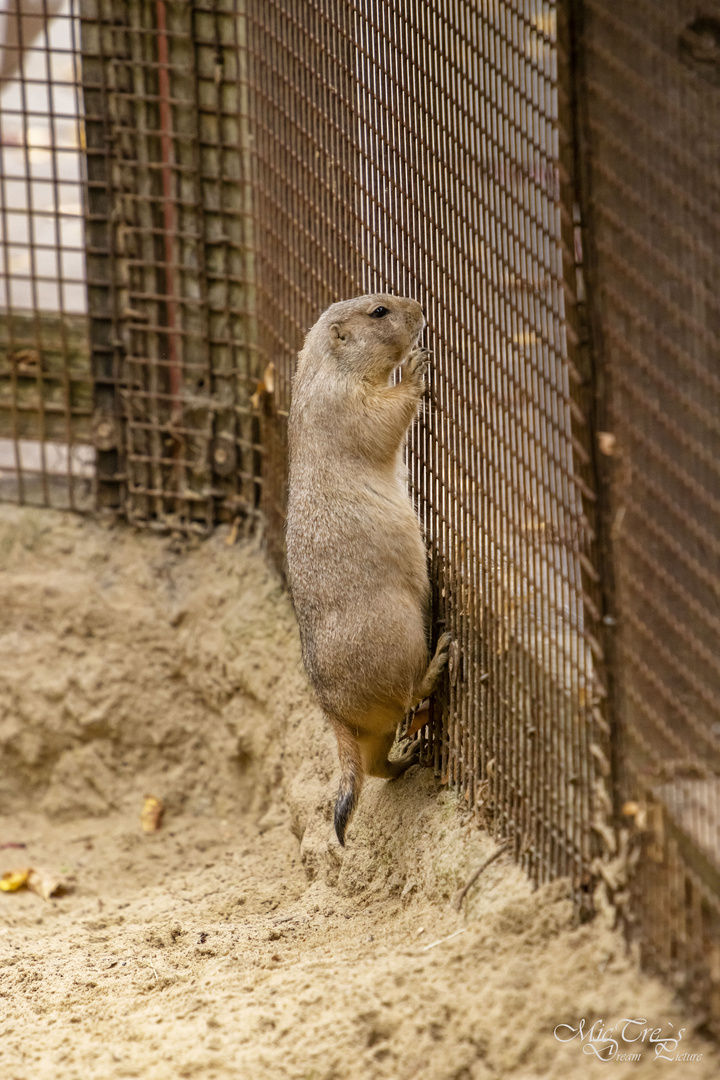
[356,557]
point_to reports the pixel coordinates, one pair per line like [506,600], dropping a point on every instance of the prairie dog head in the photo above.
[366,337]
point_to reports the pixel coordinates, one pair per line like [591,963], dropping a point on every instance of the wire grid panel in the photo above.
[417,149]
[47,455]
[170,288]
[653,133]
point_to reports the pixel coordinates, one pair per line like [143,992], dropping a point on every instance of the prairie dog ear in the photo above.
[335,334]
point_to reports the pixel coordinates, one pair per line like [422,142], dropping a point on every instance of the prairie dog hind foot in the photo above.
[434,670]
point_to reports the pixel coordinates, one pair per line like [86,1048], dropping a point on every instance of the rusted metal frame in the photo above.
[101,261]
[182,199]
[10,330]
[168,208]
[185,269]
[585,475]
[230,438]
[144,352]
[140,367]
[66,380]
[156,280]
[33,281]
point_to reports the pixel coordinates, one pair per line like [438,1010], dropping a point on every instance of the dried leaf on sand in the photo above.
[151,814]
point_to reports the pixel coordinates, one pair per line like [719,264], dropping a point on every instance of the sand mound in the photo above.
[240,940]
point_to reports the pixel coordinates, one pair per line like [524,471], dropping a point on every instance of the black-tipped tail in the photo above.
[351,777]
[344,806]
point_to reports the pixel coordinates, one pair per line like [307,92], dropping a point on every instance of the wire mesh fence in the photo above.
[652,148]
[419,150]
[46,395]
[542,176]
[170,278]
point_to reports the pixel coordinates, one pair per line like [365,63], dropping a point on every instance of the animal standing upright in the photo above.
[356,557]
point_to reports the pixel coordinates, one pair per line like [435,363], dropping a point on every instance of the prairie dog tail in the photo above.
[351,778]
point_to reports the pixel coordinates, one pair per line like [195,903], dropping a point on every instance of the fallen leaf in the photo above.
[45,884]
[151,814]
[14,880]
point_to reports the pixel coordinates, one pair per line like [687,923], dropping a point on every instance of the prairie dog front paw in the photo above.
[415,366]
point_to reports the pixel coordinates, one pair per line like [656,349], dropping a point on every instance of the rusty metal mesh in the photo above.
[170,257]
[652,144]
[46,397]
[419,149]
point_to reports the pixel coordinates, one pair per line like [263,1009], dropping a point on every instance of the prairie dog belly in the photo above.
[361,594]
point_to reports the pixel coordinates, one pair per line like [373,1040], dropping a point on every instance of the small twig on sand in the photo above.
[149,963]
[442,940]
[462,893]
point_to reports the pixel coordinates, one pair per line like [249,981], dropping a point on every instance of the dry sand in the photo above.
[240,940]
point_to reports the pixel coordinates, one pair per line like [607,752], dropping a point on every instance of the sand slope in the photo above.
[240,940]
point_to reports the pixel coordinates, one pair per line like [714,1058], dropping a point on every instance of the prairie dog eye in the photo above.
[379,313]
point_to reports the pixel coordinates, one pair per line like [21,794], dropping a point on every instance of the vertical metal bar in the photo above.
[168,211]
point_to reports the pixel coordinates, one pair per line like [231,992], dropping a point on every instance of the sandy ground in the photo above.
[240,940]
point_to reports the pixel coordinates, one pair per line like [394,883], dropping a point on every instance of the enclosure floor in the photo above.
[225,944]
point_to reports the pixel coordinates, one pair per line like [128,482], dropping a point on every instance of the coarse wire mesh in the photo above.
[652,131]
[47,455]
[419,149]
[169,278]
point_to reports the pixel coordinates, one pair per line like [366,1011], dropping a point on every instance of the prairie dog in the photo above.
[356,557]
